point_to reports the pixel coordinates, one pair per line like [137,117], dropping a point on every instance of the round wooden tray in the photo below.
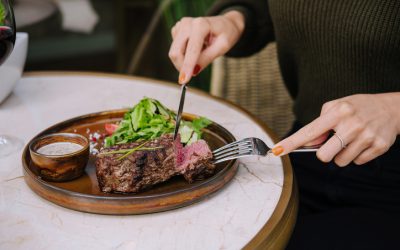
[83,194]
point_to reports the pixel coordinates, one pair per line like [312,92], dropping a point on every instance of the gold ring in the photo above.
[341,140]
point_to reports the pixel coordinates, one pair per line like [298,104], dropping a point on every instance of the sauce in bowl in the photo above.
[59,148]
[59,156]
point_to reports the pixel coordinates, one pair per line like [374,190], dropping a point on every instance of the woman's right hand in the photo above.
[198,41]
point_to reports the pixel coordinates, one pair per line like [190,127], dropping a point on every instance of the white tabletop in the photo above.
[230,219]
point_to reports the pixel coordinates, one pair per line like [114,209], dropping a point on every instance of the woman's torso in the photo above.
[333,48]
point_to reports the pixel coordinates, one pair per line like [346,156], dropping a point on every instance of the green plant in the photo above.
[192,8]
[182,8]
[3,13]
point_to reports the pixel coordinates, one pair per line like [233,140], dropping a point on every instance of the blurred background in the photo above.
[133,37]
[121,36]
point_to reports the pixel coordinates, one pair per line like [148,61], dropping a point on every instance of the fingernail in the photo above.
[182,78]
[196,70]
[277,150]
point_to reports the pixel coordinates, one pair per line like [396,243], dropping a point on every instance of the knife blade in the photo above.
[180,109]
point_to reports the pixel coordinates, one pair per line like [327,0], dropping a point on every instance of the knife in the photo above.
[180,109]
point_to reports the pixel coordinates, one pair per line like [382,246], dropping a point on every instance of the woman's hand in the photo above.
[198,41]
[367,123]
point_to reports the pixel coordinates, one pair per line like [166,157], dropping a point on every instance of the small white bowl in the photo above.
[11,70]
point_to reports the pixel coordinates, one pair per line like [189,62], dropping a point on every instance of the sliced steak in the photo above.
[145,168]
[139,170]
[195,162]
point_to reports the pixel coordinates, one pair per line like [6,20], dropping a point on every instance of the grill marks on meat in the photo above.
[143,169]
[139,170]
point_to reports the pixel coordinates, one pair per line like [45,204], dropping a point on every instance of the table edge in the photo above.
[284,215]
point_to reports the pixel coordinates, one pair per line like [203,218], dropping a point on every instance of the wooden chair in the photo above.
[255,83]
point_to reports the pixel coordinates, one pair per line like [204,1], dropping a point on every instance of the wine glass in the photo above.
[8,144]
[7,30]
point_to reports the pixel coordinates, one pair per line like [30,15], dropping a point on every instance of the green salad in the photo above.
[150,119]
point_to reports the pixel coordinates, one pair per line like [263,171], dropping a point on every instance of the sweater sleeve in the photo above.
[258,27]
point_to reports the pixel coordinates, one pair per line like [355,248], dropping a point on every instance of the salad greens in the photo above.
[150,119]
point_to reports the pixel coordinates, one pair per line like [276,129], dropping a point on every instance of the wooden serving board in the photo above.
[83,194]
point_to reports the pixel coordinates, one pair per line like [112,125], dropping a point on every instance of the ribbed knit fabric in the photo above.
[327,49]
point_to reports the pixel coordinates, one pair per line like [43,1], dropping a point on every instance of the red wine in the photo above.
[7,40]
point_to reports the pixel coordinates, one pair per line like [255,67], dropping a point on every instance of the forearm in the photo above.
[258,28]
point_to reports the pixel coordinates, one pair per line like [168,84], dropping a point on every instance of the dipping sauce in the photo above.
[59,148]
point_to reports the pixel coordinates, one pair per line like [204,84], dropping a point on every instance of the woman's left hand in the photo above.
[366,124]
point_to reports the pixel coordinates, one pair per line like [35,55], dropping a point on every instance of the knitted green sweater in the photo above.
[327,49]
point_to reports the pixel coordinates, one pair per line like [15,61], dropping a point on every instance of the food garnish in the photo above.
[110,128]
[127,152]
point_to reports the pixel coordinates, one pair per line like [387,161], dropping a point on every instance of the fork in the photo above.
[248,147]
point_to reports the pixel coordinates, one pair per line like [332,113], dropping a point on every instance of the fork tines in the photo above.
[233,150]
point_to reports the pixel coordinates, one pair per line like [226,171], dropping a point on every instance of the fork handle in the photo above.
[313,148]
[302,150]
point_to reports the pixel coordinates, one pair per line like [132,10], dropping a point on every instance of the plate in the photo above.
[83,194]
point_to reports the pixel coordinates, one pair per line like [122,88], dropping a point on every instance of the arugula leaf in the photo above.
[150,119]
[200,123]
[191,131]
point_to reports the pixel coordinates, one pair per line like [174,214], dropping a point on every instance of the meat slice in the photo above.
[145,168]
[139,170]
[195,161]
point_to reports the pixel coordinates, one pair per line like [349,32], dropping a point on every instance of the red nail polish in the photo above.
[196,70]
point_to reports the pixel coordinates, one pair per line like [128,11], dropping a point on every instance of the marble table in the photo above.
[256,210]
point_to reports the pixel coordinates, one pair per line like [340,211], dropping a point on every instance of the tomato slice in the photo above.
[110,128]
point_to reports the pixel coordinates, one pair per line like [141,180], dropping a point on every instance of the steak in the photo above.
[195,161]
[160,159]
